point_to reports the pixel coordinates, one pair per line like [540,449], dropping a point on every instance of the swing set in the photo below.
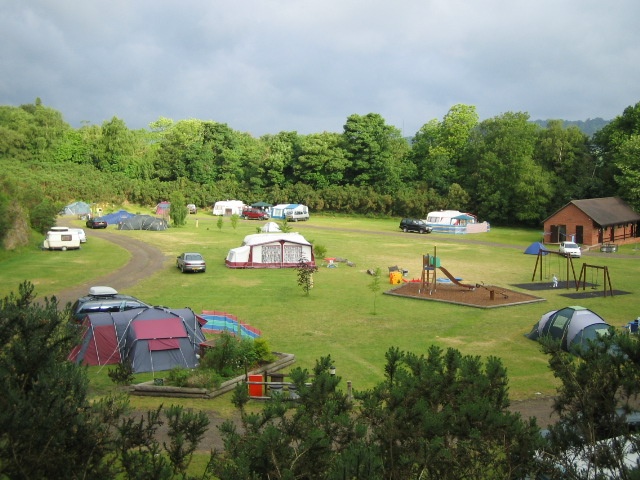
[570,268]
[582,279]
[606,279]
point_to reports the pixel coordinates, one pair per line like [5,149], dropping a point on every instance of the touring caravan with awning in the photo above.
[455,221]
[292,212]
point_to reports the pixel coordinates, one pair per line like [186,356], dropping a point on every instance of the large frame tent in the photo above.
[150,339]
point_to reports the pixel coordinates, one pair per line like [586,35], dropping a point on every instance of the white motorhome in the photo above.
[227,208]
[61,238]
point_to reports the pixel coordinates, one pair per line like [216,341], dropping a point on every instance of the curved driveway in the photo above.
[145,261]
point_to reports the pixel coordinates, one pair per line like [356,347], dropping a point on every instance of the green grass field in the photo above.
[337,318]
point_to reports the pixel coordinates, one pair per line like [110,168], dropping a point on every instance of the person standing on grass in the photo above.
[555,281]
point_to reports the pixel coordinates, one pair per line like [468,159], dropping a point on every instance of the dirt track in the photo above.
[145,261]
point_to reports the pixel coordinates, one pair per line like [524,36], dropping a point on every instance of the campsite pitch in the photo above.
[480,297]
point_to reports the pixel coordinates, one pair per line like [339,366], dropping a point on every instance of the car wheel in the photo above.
[405,230]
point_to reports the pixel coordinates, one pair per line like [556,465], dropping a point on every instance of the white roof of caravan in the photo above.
[229,202]
[444,213]
[288,205]
[262,238]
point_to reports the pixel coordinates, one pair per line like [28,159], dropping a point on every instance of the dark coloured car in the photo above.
[191,262]
[254,214]
[414,225]
[96,223]
[104,299]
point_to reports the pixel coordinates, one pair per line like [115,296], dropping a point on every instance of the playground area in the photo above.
[480,297]
[450,289]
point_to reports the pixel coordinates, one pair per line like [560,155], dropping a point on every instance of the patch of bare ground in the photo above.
[481,296]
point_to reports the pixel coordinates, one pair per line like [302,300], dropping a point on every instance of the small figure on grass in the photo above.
[554,281]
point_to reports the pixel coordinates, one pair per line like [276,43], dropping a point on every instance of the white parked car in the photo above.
[81,234]
[570,248]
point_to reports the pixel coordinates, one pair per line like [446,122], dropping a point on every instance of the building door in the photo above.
[554,234]
[579,234]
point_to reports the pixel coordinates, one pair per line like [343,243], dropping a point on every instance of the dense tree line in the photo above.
[507,169]
[437,415]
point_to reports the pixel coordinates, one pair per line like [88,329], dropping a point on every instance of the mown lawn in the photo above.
[339,318]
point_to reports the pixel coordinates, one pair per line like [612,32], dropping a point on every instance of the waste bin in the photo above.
[276,389]
[255,390]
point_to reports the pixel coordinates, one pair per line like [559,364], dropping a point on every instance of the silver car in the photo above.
[191,262]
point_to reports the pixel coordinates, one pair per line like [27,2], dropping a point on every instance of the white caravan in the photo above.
[61,238]
[227,208]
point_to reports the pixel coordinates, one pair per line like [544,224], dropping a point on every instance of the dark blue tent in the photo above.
[535,248]
[117,217]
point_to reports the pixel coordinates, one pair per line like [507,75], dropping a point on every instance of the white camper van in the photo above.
[61,238]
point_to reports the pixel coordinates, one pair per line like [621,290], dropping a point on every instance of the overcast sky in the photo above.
[265,66]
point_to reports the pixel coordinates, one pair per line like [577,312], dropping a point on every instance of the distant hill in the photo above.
[588,126]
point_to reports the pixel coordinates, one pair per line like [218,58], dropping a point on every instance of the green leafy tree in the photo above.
[48,426]
[320,160]
[219,223]
[178,212]
[316,436]
[285,226]
[116,147]
[628,162]
[438,148]
[375,286]
[612,148]
[565,154]
[598,388]
[275,166]
[51,428]
[444,416]
[43,216]
[305,275]
[235,218]
[5,217]
[505,183]
[377,153]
